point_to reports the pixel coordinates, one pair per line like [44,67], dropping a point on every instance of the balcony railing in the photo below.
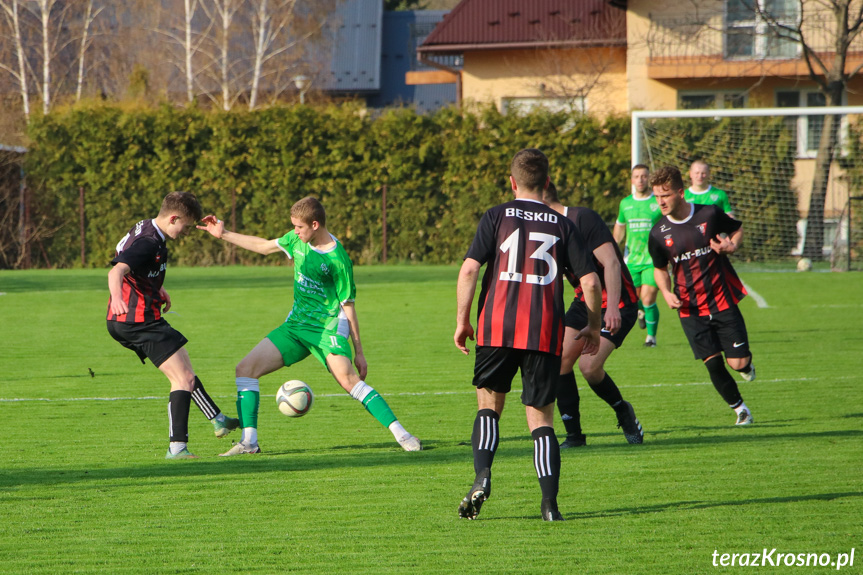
[709,35]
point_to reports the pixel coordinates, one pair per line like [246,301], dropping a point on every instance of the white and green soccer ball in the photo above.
[295,398]
[804,265]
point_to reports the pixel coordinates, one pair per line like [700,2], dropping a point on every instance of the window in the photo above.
[748,34]
[807,129]
[719,100]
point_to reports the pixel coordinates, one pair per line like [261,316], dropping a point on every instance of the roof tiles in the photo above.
[484,24]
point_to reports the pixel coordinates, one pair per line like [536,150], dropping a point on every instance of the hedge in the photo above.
[442,171]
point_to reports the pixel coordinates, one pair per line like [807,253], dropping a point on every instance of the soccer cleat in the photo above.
[642,323]
[749,376]
[627,421]
[241,448]
[650,341]
[223,428]
[472,502]
[410,443]
[182,454]
[573,440]
[550,511]
[744,417]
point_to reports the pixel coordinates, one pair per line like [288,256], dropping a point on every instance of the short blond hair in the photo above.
[309,210]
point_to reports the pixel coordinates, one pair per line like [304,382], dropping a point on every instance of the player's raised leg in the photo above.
[222,425]
[346,376]
[263,359]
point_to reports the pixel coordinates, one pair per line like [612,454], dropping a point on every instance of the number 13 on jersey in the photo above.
[510,246]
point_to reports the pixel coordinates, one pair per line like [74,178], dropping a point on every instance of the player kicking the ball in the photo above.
[135,316]
[322,319]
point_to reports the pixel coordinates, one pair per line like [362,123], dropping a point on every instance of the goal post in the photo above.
[764,158]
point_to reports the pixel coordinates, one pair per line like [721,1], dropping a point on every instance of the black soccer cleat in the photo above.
[627,421]
[472,502]
[573,440]
[550,511]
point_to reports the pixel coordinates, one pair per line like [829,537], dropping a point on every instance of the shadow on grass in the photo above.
[284,461]
[711,435]
[692,505]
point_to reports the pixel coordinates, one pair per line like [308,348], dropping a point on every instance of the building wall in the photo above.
[498,75]
[658,72]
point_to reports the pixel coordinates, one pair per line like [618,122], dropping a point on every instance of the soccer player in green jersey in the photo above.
[701,192]
[636,216]
[320,323]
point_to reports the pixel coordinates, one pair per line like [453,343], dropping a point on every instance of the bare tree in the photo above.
[18,71]
[89,17]
[820,33]
[223,14]
[188,37]
[825,32]
[277,32]
[43,10]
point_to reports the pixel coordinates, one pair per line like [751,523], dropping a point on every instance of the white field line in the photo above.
[469,391]
[759,299]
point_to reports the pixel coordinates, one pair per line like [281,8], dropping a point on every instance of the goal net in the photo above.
[764,159]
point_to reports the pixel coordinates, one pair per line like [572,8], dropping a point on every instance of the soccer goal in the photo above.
[764,158]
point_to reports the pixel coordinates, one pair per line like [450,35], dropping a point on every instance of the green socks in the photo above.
[247,407]
[651,317]
[374,403]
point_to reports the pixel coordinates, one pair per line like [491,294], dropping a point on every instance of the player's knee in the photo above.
[184,381]
[739,363]
[245,369]
[592,373]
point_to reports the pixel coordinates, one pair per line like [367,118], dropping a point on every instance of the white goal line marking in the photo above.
[759,300]
[405,393]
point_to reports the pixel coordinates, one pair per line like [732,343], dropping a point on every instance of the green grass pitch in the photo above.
[84,487]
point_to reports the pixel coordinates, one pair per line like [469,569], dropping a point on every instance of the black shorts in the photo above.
[156,340]
[495,368]
[576,318]
[721,332]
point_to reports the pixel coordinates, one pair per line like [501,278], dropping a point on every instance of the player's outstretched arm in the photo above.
[359,356]
[216,228]
[465,289]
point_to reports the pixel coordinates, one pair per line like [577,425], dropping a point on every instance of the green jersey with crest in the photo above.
[638,215]
[323,281]
[713,196]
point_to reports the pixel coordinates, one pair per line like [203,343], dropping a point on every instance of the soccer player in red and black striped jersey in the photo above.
[527,247]
[696,240]
[135,316]
[619,314]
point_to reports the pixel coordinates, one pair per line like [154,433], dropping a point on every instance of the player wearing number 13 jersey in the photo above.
[526,247]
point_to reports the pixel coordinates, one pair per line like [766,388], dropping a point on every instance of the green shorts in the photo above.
[295,343]
[642,275]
